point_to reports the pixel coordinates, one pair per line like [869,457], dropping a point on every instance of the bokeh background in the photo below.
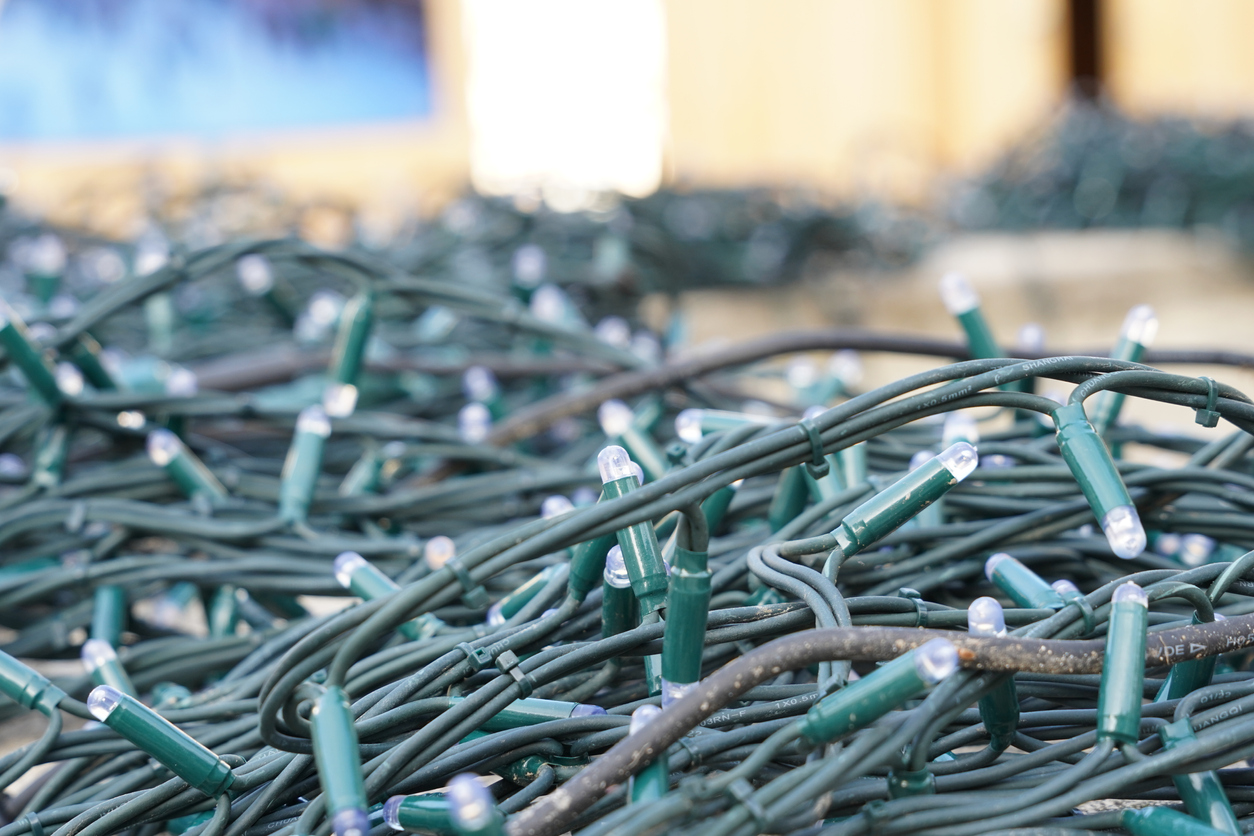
[1074,157]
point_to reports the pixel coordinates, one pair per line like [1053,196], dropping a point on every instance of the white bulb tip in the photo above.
[313,419]
[438,551]
[163,446]
[935,660]
[957,294]
[986,618]
[392,812]
[339,400]
[688,425]
[1065,587]
[470,804]
[1131,593]
[813,412]
[479,383]
[613,463]
[616,569]
[102,700]
[1124,533]
[642,716]
[555,506]
[960,460]
[615,418]
[673,691]
[990,565]
[69,379]
[351,822]
[346,564]
[1140,326]
[96,653]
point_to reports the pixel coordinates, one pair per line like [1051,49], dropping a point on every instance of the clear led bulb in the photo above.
[46,255]
[1123,530]
[1031,337]
[1195,549]
[1167,544]
[985,617]
[1140,326]
[959,426]
[438,551]
[96,653]
[688,425]
[801,373]
[960,460]
[470,804]
[346,565]
[102,700]
[339,400]
[585,710]
[474,422]
[957,294]
[1065,587]
[614,330]
[672,691]
[613,463]
[846,366]
[813,412]
[69,379]
[935,660]
[548,304]
[647,347]
[642,716]
[352,821]
[479,384]
[1131,593]
[990,565]
[555,506]
[616,569]
[392,812]
[312,419]
[254,274]
[529,265]
[615,418]
[163,446]
[181,382]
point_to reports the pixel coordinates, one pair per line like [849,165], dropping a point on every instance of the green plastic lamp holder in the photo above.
[1202,792]
[864,701]
[1186,677]
[653,781]
[693,424]
[588,564]
[638,542]
[339,398]
[999,708]
[717,503]
[1163,821]
[853,464]
[303,464]
[510,605]
[427,813]
[365,580]
[27,687]
[1091,464]
[533,711]
[687,611]
[33,363]
[1023,586]
[169,745]
[223,614]
[789,498]
[49,464]
[1123,668]
[101,661]
[85,353]
[891,508]
[168,452]
[1140,327]
[963,303]
[619,611]
[338,759]
[618,423]
[108,614]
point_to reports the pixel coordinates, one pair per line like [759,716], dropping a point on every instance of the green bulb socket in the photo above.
[864,701]
[336,753]
[789,498]
[223,615]
[101,661]
[472,808]
[35,367]
[85,353]
[1186,677]
[108,614]
[1202,792]
[999,708]
[638,542]
[687,610]
[1023,586]
[853,464]
[49,464]
[365,580]
[168,452]
[619,424]
[891,508]
[1138,332]
[691,425]
[619,611]
[653,781]
[588,564]
[27,687]
[339,399]
[172,747]
[510,605]
[1091,464]
[533,711]
[303,464]
[1123,668]
[427,813]
[1163,821]
[716,505]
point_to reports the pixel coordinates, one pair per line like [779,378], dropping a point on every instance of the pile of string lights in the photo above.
[834,616]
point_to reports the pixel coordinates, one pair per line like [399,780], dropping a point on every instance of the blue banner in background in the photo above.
[99,69]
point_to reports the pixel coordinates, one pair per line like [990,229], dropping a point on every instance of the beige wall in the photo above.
[1193,58]
[853,95]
